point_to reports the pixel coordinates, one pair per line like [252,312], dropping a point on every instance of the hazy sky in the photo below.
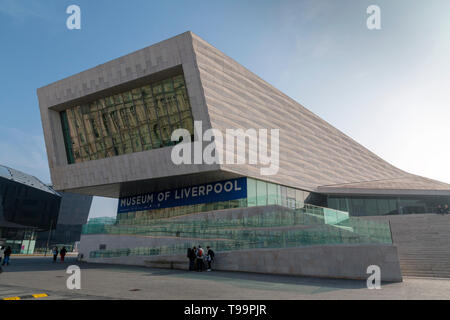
[388,89]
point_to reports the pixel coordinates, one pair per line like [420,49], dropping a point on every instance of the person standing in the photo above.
[63,253]
[191,255]
[194,255]
[209,257]
[200,259]
[446,210]
[188,255]
[6,255]
[55,254]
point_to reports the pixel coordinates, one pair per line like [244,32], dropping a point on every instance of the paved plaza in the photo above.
[38,275]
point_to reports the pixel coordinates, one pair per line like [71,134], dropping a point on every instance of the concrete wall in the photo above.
[340,261]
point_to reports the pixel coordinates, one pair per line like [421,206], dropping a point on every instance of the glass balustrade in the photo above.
[278,227]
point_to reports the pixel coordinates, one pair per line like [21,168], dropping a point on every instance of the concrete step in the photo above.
[424,262]
[424,267]
[427,258]
[415,275]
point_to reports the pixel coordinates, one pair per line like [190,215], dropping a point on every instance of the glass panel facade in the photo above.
[275,228]
[23,210]
[251,192]
[137,120]
[261,193]
[373,206]
[22,206]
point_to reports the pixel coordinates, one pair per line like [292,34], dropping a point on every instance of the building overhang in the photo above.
[136,187]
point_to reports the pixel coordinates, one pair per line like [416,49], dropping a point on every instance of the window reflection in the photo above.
[132,121]
[384,205]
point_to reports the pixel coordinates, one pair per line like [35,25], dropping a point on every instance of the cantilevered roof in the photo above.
[23,178]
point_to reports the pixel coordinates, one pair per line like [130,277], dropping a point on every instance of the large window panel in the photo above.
[251,192]
[261,193]
[357,206]
[272,193]
[371,208]
[67,139]
[383,206]
[136,140]
[140,112]
[135,120]
[74,140]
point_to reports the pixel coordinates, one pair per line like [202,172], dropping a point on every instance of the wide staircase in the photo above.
[423,242]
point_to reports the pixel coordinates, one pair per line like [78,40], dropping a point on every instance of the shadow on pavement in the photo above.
[36,264]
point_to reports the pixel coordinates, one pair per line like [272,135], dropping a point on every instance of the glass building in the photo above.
[26,207]
[387,205]
[73,214]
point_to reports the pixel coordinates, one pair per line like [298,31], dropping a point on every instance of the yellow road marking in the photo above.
[36,296]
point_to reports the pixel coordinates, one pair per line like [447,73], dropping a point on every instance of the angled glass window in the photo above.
[131,121]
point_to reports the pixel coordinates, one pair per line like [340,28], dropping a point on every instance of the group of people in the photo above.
[62,253]
[443,209]
[199,259]
[6,254]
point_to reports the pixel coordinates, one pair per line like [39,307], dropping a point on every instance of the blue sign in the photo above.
[205,193]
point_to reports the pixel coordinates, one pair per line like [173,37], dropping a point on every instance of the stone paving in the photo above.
[37,275]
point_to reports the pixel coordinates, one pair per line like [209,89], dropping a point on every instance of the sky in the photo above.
[388,89]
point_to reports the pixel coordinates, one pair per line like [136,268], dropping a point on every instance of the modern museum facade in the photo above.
[108,132]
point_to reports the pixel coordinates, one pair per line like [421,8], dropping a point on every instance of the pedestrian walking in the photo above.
[62,253]
[446,210]
[55,254]
[6,256]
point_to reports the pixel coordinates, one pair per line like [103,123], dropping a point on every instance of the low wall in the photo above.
[334,261]
[93,242]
